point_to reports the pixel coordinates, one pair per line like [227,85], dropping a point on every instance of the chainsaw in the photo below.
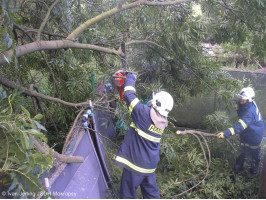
[120,77]
[122,74]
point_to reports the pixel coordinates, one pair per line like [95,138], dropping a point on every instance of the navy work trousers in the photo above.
[255,154]
[131,181]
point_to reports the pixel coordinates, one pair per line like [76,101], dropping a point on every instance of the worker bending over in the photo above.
[250,126]
[139,152]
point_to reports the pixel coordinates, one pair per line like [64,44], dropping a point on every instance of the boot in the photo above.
[239,164]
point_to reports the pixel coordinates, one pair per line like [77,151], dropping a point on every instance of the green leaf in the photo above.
[34,132]
[7,165]
[9,127]
[13,185]
[33,125]
[25,111]
[34,182]
[22,168]
[25,124]
[40,126]
[38,117]
[27,140]
[14,159]
[2,94]
[5,110]
[24,139]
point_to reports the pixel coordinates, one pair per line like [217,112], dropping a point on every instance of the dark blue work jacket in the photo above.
[250,126]
[139,152]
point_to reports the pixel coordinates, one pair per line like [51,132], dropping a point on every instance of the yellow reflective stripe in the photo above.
[232,131]
[250,146]
[154,129]
[128,88]
[242,123]
[258,113]
[132,166]
[132,105]
[145,135]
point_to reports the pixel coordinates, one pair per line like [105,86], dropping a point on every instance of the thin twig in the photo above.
[104,110]
[110,108]
[71,132]
[42,54]
[99,134]
[203,134]
[45,19]
[230,145]
[207,169]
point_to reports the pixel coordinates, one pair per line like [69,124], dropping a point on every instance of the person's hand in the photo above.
[220,135]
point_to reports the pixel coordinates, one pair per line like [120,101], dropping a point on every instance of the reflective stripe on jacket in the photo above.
[250,126]
[140,150]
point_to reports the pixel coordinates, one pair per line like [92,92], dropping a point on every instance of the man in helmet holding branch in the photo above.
[139,152]
[250,126]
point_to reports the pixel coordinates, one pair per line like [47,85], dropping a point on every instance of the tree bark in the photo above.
[56,155]
[51,45]
[45,19]
[71,132]
[69,42]
[13,85]
[116,10]
[262,191]
[196,132]
[191,132]
[42,54]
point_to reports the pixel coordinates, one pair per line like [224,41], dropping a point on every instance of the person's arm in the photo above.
[130,92]
[135,107]
[243,122]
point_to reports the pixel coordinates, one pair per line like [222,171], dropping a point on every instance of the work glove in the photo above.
[220,135]
[131,76]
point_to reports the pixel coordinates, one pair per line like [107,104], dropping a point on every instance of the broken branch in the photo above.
[195,132]
[191,132]
[13,85]
[56,155]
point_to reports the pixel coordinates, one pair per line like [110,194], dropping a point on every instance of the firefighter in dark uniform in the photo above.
[250,126]
[139,152]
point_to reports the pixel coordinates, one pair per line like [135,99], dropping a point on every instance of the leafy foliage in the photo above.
[123,118]
[182,166]
[233,21]
[217,121]
[21,164]
[176,63]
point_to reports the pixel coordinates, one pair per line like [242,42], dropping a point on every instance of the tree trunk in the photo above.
[262,191]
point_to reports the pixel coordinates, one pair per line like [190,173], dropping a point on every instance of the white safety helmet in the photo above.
[162,102]
[247,94]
